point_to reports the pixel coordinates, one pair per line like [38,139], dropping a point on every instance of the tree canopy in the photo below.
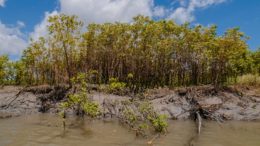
[145,53]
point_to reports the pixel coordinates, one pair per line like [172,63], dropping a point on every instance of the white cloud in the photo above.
[186,13]
[159,11]
[100,11]
[2,3]
[182,15]
[41,29]
[204,3]
[11,40]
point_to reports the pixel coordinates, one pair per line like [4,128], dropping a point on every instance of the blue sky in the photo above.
[22,19]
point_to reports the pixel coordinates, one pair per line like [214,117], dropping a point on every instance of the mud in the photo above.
[214,104]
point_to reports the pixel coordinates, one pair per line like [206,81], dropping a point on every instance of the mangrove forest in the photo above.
[143,54]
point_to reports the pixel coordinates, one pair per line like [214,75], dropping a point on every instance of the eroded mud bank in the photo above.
[181,103]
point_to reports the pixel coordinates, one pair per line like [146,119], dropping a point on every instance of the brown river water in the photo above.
[46,130]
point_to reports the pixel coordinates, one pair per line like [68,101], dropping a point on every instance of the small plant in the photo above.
[116,87]
[130,116]
[160,123]
[142,117]
[91,109]
[80,101]
[157,121]
[130,76]
[147,110]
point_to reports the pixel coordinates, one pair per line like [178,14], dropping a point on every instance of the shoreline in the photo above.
[233,104]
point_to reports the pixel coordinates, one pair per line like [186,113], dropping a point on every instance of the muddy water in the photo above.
[46,130]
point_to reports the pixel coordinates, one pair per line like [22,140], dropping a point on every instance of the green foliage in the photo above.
[147,110]
[91,109]
[116,87]
[80,100]
[3,68]
[160,123]
[130,116]
[143,54]
[144,118]
[11,72]
[64,105]
[143,126]
[130,76]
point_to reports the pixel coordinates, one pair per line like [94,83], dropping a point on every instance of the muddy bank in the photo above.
[222,104]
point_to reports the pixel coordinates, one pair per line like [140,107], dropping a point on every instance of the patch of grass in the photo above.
[248,80]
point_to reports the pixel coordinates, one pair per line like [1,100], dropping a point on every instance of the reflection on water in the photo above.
[46,130]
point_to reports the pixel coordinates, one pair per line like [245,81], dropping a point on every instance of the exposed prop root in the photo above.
[199,120]
[199,112]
